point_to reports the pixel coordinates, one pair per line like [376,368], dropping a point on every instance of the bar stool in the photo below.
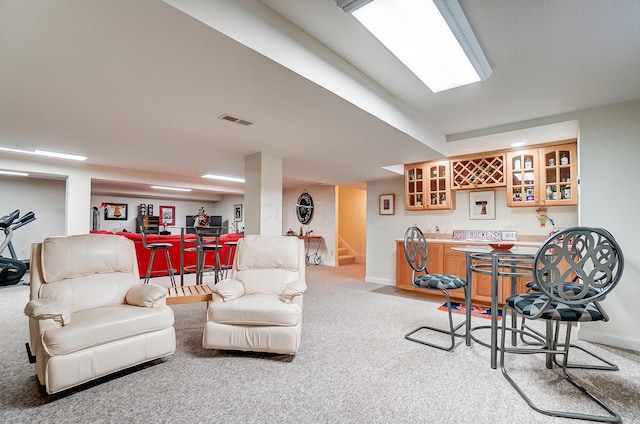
[231,246]
[207,240]
[154,247]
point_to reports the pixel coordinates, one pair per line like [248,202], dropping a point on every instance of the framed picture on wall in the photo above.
[237,213]
[482,205]
[386,204]
[115,211]
[168,215]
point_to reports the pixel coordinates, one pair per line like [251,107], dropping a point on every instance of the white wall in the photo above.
[46,198]
[609,160]
[225,208]
[324,219]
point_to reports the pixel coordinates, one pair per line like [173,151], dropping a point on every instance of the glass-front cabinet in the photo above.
[546,176]
[522,178]
[439,188]
[559,174]
[427,186]
[414,186]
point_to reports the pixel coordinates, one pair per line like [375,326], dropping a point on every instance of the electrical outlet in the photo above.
[22,251]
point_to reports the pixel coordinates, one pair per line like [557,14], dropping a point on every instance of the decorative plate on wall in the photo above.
[304,208]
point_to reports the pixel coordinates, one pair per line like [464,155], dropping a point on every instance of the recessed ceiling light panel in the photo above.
[223,178]
[170,188]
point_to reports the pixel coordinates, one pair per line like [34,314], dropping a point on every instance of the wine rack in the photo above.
[478,172]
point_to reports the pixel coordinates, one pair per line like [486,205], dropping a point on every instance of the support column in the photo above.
[77,203]
[263,194]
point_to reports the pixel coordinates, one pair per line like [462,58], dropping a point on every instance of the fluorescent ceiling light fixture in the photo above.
[431,37]
[518,143]
[45,153]
[171,188]
[223,178]
[19,174]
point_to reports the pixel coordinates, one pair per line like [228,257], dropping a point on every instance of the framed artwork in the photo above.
[115,211]
[168,215]
[387,204]
[237,213]
[482,204]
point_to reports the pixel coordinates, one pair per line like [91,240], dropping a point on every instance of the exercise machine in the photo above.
[12,269]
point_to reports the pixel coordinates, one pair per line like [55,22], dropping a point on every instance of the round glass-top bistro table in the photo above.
[516,262]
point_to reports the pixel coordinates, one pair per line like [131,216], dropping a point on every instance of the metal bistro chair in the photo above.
[154,247]
[532,286]
[574,270]
[415,251]
[208,240]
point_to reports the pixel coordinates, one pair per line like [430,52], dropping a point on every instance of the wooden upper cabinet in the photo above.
[559,181]
[478,172]
[523,179]
[546,176]
[438,192]
[427,186]
[414,186]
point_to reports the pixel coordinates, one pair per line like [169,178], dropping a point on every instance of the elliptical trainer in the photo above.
[12,269]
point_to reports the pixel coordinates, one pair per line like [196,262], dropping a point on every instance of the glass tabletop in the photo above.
[528,251]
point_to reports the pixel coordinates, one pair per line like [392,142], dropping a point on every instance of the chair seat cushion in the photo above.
[256,309]
[439,281]
[97,326]
[159,245]
[530,304]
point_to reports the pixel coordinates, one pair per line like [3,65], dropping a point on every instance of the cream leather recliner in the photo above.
[89,314]
[259,308]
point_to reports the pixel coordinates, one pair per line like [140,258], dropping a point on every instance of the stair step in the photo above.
[346,259]
[343,251]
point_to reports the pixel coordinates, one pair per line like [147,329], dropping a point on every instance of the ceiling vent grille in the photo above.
[235,120]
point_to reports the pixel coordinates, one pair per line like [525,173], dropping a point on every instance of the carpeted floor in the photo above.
[354,366]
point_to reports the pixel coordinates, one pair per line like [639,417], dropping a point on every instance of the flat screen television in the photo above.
[214,221]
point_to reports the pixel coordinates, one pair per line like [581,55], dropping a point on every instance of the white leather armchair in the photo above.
[259,308]
[89,314]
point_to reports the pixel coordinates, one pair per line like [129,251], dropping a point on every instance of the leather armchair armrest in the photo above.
[147,295]
[292,290]
[43,309]
[227,290]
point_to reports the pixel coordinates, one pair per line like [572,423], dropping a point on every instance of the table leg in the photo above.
[182,256]
[494,311]
[467,301]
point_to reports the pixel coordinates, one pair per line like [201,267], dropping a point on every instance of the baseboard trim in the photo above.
[609,340]
[375,280]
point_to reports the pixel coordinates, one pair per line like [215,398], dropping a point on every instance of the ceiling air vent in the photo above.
[234,119]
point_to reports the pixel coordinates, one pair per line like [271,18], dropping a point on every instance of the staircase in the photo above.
[344,256]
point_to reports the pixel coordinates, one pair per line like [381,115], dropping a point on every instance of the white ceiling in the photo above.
[139,85]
